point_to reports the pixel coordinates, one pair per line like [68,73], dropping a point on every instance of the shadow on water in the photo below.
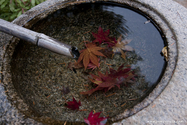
[39,75]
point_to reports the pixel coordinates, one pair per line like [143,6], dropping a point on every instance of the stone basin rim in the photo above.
[27,20]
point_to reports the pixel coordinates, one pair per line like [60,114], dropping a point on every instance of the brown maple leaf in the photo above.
[92,66]
[74,65]
[121,46]
[90,55]
[107,52]
[107,81]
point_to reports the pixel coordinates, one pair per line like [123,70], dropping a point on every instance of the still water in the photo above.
[40,75]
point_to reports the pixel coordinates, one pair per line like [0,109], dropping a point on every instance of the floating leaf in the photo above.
[93,119]
[165,53]
[90,55]
[92,66]
[73,105]
[121,46]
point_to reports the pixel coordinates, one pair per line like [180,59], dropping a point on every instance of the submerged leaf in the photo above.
[65,90]
[73,105]
[102,37]
[93,119]
[92,66]
[108,52]
[74,65]
[107,81]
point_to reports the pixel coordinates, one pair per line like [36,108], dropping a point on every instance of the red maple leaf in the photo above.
[93,119]
[107,81]
[73,105]
[92,66]
[90,55]
[102,37]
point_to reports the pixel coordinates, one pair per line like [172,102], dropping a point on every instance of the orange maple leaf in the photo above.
[90,55]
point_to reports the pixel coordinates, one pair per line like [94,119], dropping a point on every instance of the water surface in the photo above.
[39,75]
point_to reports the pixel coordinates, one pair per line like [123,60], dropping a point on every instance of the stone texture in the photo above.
[182,2]
[169,108]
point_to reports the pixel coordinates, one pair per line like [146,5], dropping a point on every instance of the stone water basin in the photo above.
[38,75]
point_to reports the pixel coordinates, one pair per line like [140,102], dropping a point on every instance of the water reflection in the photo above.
[147,43]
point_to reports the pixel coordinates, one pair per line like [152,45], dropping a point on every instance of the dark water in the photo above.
[146,39]
[147,43]
[39,74]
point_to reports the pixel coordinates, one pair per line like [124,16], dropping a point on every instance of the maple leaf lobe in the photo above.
[93,119]
[90,55]
[102,37]
[109,80]
[73,105]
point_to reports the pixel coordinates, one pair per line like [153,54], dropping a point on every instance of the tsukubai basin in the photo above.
[34,77]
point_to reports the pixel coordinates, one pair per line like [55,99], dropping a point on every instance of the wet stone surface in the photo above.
[39,75]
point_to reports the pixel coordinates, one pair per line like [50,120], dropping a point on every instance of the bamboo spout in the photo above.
[38,39]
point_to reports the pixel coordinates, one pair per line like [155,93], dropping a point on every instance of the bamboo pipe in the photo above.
[38,39]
